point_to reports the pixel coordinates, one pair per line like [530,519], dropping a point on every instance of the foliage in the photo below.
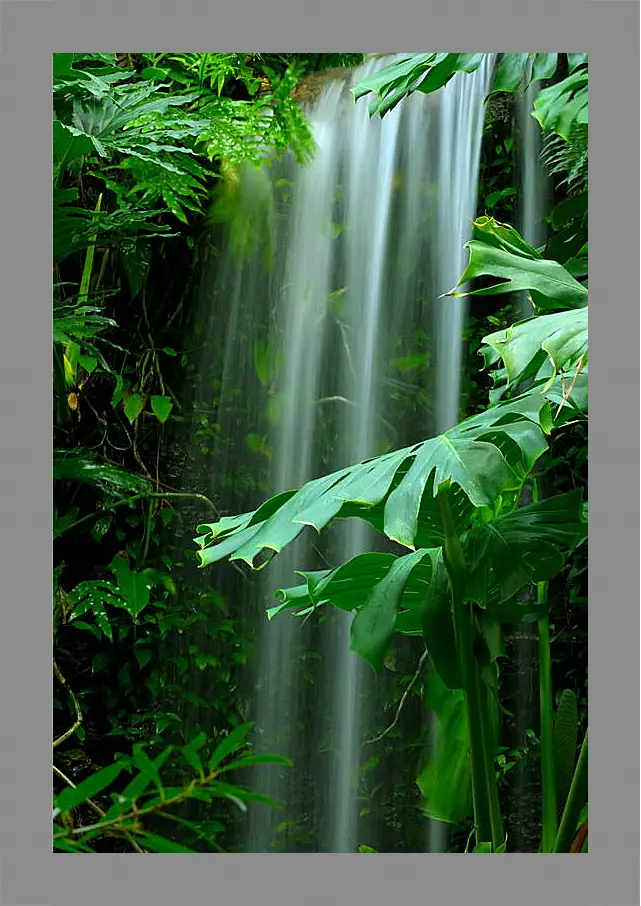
[139,142]
[134,810]
[459,492]
[558,108]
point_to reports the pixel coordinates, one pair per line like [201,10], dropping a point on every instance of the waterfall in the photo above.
[337,348]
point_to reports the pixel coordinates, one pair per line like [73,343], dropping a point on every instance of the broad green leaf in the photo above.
[550,285]
[442,72]
[510,72]
[522,548]
[577,59]
[161,406]
[134,404]
[373,626]
[544,66]
[71,797]
[502,236]
[134,587]
[437,625]
[445,780]
[560,107]
[69,144]
[485,456]
[560,338]
[388,594]
[402,73]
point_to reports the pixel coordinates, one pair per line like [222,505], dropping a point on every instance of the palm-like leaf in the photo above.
[482,458]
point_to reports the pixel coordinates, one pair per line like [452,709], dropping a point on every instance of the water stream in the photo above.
[337,348]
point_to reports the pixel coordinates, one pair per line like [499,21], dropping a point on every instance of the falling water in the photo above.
[338,348]
[534,190]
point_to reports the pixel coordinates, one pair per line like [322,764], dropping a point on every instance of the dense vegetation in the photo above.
[145,147]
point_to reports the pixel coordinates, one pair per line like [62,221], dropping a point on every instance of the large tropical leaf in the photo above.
[561,339]
[560,107]
[501,253]
[445,780]
[410,594]
[522,548]
[482,458]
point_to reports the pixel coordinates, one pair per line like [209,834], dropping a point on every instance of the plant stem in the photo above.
[78,721]
[496,821]
[456,567]
[548,757]
[575,802]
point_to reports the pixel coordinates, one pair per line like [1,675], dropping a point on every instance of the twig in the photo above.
[65,685]
[566,396]
[401,705]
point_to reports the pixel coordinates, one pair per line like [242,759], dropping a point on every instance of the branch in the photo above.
[401,705]
[96,807]
[65,685]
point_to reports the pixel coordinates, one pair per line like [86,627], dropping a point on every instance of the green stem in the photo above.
[456,567]
[548,757]
[546,705]
[496,821]
[577,798]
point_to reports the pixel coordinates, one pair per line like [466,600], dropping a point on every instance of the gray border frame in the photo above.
[31,32]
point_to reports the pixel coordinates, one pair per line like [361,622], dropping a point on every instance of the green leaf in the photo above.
[445,780]
[577,59]
[373,626]
[235,740]
[544,66]
[93,595]
[510,72]
[69,144]
[522,548]
[136,787]
[562,106]
[134,404]
[485,455]
[84,467]
[161,406]
[549,283]
[560,339]
[134,587]
[69,798]
[437,624]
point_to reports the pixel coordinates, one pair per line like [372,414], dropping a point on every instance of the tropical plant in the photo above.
[454,501]
[132,813]
[558,108]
